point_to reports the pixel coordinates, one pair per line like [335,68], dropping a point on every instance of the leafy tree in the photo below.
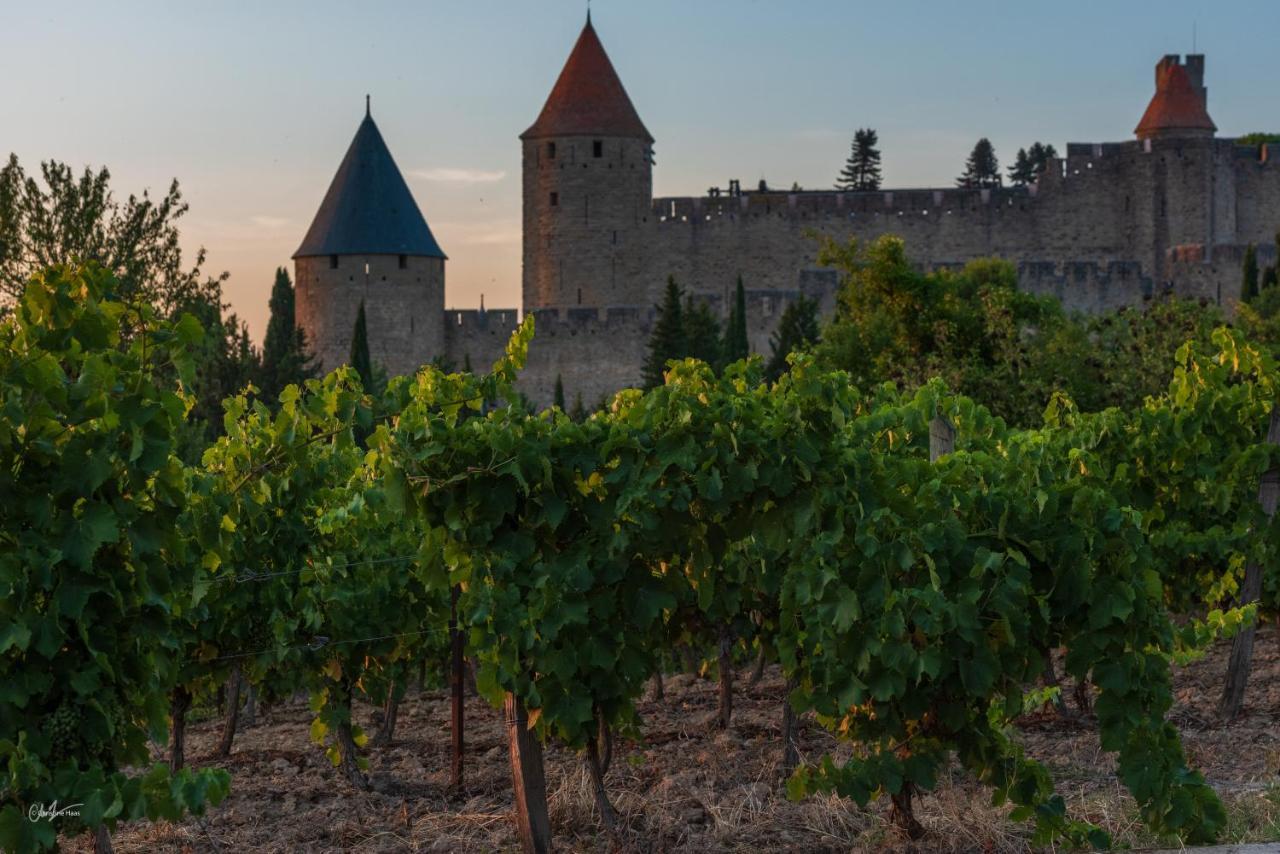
[668,339]
[862,169]
[701,332]
[285,360]
[736,346]
[226,363]
[360,350]
[558,400]
[79,220]
[797,330]
[982,169]
[1249,286]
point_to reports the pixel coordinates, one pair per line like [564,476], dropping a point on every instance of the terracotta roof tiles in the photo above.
[588,98]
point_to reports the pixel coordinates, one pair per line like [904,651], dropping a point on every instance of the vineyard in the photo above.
[912,574]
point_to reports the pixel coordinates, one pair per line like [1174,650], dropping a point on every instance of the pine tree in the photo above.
[360,351]
[1040,155]
[1022,172]
[797,330]
[667,341]
[736,345]
[558,400]
[285,359]
[701,332]
[862,169]
[1249,286]
[982,169]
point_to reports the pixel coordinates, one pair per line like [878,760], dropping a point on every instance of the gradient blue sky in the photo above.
[252,104]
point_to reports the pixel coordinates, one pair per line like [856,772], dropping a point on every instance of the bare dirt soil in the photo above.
[687,787]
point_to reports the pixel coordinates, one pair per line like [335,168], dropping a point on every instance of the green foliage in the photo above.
[982,169]
[862,169]
[668,340]
[797,331]
[736,346]
[701,332]
[359,359]
[558,397]
[93,565]
[1029,164]
[1249,286]
[71,219]
[285,360]
[1258,138]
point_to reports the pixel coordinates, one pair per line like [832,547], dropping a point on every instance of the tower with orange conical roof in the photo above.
[588,186]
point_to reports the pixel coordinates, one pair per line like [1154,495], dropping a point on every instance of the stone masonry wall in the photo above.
[402,308]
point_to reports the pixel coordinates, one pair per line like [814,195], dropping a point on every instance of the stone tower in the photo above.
[588,187]
[1179,107]
[369,242]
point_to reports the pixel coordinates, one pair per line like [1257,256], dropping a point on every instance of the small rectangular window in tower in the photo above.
[555,199]
[579,296]
[333,262]
[551,151]
[404,262]
[597,148]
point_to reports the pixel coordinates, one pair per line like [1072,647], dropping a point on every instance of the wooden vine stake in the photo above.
[942,437]
[533,824]
[942,441]
[1251,591]
[456,689]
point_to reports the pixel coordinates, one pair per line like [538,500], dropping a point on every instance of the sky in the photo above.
[251,105]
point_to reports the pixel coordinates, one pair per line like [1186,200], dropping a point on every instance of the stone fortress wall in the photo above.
[1105,225]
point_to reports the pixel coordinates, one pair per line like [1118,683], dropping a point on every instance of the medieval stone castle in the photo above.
[1110,224]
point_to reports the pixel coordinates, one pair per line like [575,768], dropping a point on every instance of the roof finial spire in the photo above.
[368,111]
[588,13]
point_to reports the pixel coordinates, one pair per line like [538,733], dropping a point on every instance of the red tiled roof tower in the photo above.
[588,98]
[1178,106]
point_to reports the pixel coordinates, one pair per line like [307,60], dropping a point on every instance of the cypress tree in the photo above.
[285,359]
[736,345]
[982,169]
[466,363]
[579,412]
[797,330]
[360,351]
[668,340]
[1269,279]
[558,400]
[1249,286]
[701,332]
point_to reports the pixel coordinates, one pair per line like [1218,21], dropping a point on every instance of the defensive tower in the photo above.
[369,242]
[588,186]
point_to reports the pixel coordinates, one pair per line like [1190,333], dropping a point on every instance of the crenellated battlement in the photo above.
[835,205]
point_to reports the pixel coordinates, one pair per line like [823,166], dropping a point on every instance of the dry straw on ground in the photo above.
[686,787]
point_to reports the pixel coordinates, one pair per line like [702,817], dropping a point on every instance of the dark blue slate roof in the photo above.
[369,209]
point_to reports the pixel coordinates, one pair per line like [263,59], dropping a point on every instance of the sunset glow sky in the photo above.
[251,105]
